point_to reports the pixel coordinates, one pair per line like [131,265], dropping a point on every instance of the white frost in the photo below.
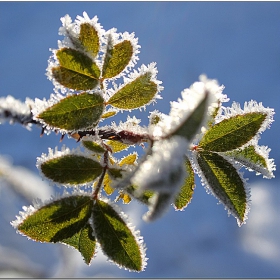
[191,97]
[163,170]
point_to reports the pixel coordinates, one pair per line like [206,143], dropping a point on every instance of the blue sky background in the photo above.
[236,43]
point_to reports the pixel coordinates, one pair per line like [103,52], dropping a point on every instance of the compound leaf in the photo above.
[185,195]
[192,124]
[232,133]
[59,220]
[71,169]
[135,94]
[76,71]
[116,59]
[116,239]
[89,38]
[84,242]
[225,182]
[75,112]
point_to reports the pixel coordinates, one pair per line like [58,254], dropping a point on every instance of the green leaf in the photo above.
[71,169]
[84,242]
[59,220]
[116,59]
[116,239]
[89,38]
[75,112]
[185,195]
[225,183]
[135,94]
[192,124]
[76,71]
[232,133]
[251,159]
[93,146]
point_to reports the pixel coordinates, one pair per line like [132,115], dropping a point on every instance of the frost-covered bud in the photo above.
[163,171]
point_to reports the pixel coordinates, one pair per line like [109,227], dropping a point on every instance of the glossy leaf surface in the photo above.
[59,220]
[185,195]
[116,239]
[71,169]
[225,183]
[75,112]
[84,242]
[135,94]
[232,133]
[76,71]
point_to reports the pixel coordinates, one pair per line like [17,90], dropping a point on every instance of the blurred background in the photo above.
[237,43]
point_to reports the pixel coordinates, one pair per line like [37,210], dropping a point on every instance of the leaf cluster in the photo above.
[199,136]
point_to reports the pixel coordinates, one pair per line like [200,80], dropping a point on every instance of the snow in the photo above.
[236,43]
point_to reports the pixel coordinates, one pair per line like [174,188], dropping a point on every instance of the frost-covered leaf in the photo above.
[184,197]
[84,241]
[130,159]
[89,38]
[135,94]
[232,133]
[117,58]
[71,169]
[75,112]
[117,240]
[225,182]
[159,204]
[109,114]
[93,146]
[107,182]
[254,158]
[117,146]
[59,220]
[192,124]
[163,170]
[76,71]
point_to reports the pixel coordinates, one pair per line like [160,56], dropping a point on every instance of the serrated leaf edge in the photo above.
[56,153]
[263,151]
[38,204]
[41,105]
[209,190]
[119,38]
[136,233]
[152,70]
